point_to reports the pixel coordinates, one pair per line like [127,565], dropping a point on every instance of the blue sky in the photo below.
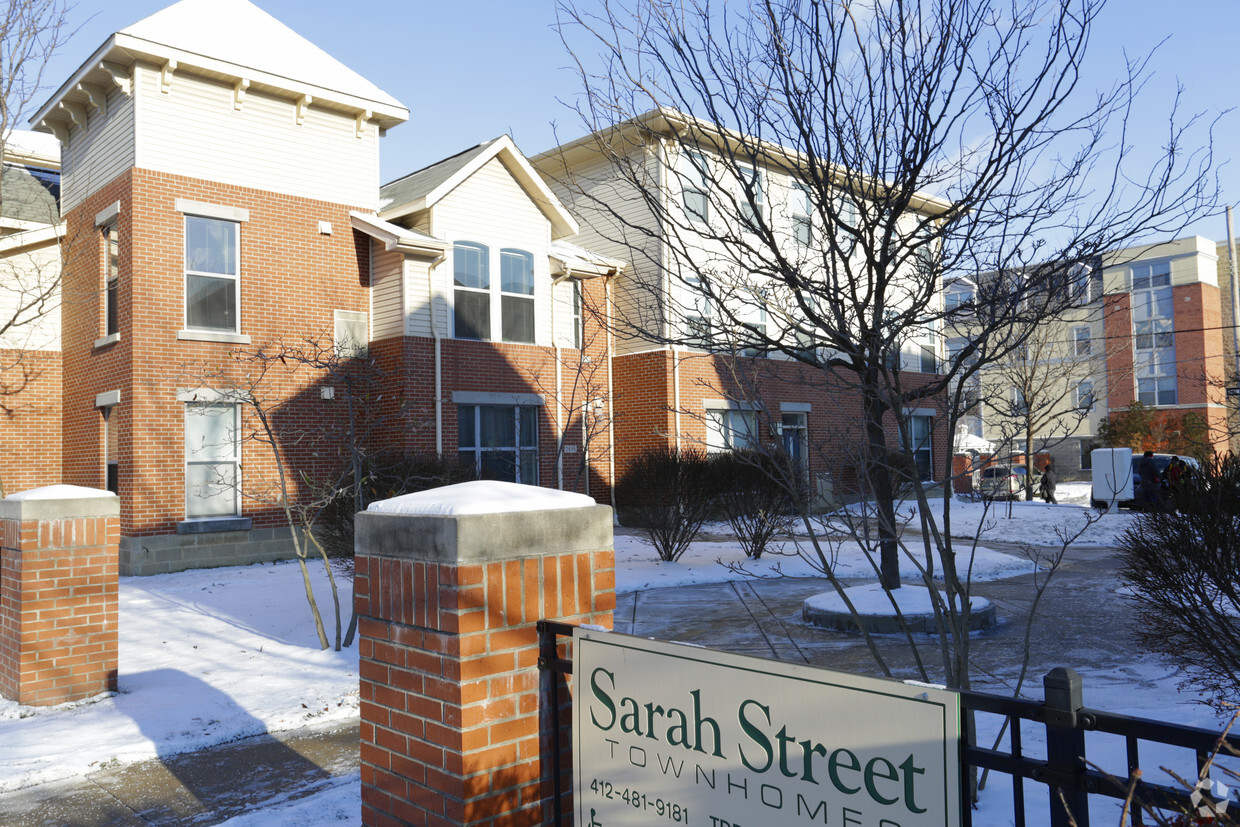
[469,71]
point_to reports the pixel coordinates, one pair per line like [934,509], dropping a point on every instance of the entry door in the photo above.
[796,441]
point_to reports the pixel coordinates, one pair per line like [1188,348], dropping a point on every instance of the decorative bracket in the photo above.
[165,76]
[76,111]
[302,104]
[98,97]
[239,93]
[360,122]
[119,75]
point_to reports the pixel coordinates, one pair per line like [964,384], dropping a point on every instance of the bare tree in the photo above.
[803,173]
[1041,393]
[31,233]
[318,409]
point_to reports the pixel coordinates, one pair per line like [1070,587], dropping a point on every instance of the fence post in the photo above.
[1065,746]
[449,588]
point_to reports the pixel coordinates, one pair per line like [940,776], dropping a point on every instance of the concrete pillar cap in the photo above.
[482,497]
[60,492]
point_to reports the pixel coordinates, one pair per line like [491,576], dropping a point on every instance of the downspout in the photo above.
[559,395]
[430,292]
[1235,293]
[611,406]
[665,309]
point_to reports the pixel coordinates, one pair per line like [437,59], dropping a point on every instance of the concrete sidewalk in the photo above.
[199,788]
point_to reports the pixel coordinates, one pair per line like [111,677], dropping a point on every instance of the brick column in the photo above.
[58,594]
[449,586]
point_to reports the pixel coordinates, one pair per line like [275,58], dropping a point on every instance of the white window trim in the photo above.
[108,399]
[210,334]
[488,398]
[236,458]
[108,214]
[221,211]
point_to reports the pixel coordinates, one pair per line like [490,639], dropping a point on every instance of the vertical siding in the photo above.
[386,301]
[100,152]
[194,130]
[491,208]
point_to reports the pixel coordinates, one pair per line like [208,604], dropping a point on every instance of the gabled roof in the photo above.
[232,40]
[422,189]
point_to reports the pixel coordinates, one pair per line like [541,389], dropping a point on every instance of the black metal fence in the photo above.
[1066,777]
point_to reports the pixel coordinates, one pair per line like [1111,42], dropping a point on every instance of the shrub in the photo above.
[385,474]
[752,489]
[667,494]
[1183,564]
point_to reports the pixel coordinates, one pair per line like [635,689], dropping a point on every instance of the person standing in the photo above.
[1151,481]
[1048,482]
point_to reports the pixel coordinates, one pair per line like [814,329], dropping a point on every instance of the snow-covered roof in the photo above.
[482,497]
[32,148]
[422,189]
[236,41]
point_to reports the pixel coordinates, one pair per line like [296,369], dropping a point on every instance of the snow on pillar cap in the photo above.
[60,492]
[482,497]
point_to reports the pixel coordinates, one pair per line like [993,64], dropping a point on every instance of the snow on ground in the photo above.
[210,656]
[205,657]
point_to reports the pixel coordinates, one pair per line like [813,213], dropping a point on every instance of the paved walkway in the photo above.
[1083,624]
[200,788]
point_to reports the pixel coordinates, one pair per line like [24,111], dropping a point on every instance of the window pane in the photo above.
[210,489]
[498,426]
[211,303]
[210,245]
[210,432]
[696,206]
[516,272]
[518,319]
[499,465]
[470,266]
[472,315]
[465,436]
[529,426]
[529,467]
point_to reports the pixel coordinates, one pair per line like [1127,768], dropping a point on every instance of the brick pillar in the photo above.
[58,594]
[449,586]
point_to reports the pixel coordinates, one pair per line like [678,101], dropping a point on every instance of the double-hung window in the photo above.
[1081,341]
[802,210]
[750,203]
[694,188]
[500,441]
[731,429]
[516,284]
[471,300]
[212,459]
[919,431]
[1085,396]
[211,274]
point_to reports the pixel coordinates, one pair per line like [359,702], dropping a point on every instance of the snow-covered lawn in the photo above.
[210,656]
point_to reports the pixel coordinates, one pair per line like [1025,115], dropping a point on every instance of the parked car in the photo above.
[1161,461]
[1006,482]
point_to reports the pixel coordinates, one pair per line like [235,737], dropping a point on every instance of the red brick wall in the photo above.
[449,681]
[292,278]
[30,388]
[58,608]
[646,399]
[1117,327]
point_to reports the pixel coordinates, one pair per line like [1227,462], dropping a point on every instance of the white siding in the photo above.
[611,235]
[22,277]
[491,208]
[418,300]
[194,130]
[100,152]
[562,295]
[386,304]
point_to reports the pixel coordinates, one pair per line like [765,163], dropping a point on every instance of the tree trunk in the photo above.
[880,471]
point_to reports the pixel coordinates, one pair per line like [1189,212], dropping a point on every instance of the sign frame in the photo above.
[676,734]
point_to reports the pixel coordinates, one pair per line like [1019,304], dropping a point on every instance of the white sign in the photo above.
[673,734]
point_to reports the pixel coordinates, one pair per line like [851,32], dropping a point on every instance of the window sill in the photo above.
[211,525]
[213,336]
[104,341]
